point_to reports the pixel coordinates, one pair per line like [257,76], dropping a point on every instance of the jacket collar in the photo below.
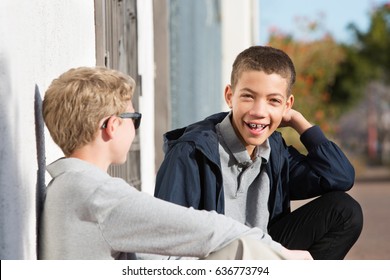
[202,134]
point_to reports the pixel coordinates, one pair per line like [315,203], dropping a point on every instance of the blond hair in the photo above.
[266,59]
[79,99]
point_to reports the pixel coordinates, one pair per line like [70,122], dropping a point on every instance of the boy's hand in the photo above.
[296,120]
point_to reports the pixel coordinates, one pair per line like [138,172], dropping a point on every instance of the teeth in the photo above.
[252,125]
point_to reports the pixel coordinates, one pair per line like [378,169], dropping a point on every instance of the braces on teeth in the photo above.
[256,125]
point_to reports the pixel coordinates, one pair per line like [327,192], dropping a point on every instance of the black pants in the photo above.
[327,226]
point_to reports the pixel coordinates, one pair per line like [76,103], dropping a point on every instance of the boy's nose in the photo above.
[259,108]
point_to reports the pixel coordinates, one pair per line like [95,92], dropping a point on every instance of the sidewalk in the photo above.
[374,174]
[372,191]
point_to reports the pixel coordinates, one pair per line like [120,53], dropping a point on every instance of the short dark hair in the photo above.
[266,59]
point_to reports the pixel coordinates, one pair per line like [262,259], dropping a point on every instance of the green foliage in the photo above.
[375,44]
[366,60]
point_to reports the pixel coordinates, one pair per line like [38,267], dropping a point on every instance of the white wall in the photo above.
[39,40]
[146,69]
[240,30]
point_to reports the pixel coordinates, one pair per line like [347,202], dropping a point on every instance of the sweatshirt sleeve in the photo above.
[325,167]
[132,221]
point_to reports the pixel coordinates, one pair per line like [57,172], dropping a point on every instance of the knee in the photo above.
[349,209]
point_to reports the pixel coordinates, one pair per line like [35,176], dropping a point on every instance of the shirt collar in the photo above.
[64,165]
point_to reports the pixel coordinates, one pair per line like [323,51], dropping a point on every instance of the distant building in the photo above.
[365,131]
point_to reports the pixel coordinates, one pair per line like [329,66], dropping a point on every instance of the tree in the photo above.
[332,78]
[364,77]
[375,44]
[366,60]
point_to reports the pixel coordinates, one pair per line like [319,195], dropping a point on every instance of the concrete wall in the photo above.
[38,40]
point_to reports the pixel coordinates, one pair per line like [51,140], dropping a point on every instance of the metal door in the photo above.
[116,48]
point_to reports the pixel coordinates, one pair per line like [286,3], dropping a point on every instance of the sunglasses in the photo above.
[136,117]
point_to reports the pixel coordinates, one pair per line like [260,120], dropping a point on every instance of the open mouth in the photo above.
[256,127]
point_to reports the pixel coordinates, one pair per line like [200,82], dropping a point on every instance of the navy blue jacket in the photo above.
[191,176]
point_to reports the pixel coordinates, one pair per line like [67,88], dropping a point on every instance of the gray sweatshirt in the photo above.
[88,214]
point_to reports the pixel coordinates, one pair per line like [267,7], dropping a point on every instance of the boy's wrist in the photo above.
[299,123]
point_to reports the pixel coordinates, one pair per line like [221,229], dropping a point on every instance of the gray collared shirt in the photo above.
[246,183]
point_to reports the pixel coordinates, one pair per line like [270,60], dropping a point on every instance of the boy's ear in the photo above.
[111,126]
[290,102]
[229,96]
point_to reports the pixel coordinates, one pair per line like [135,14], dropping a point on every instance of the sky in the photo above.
[288,16]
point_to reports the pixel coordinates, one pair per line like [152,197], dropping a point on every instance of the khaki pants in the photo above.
[245,248]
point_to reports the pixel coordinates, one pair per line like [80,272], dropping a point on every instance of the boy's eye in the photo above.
[246,95]
[275,100]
